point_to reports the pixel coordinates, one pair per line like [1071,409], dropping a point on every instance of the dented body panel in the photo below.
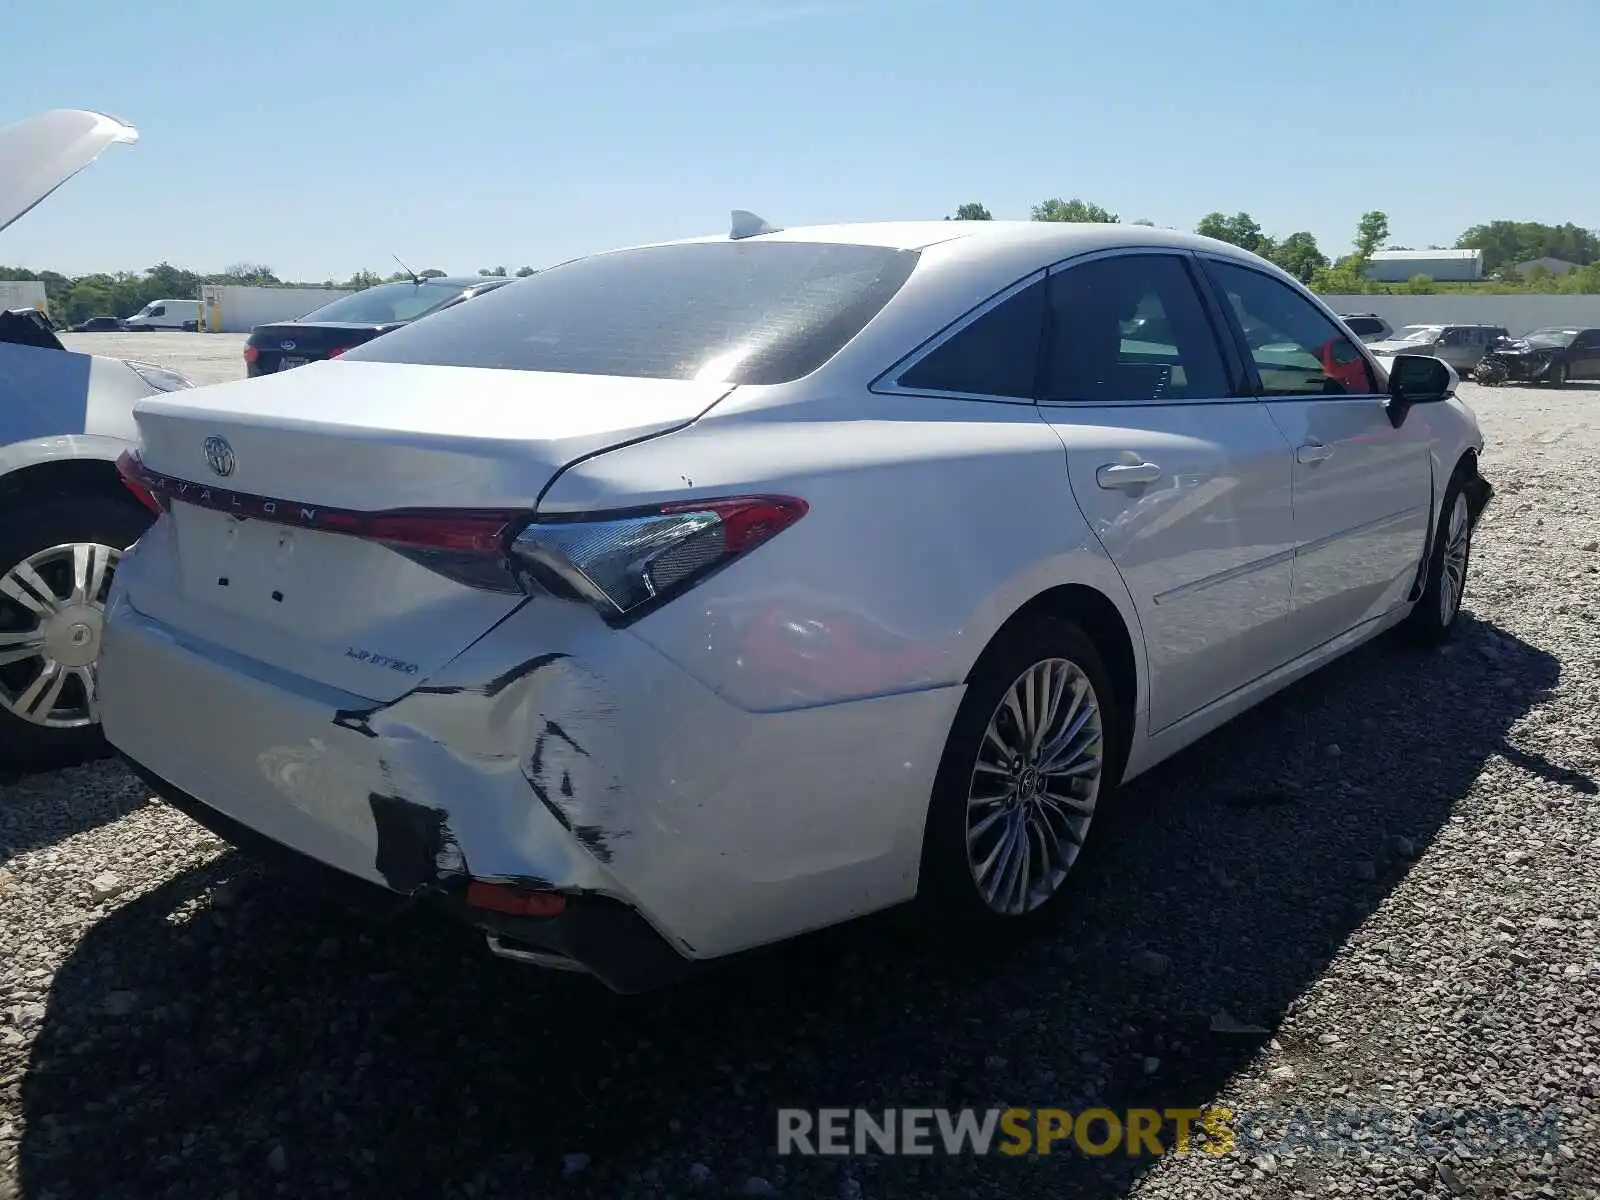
[556,752]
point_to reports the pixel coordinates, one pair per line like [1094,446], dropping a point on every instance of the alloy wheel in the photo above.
[52,614]
[1034,786]
[1457,547]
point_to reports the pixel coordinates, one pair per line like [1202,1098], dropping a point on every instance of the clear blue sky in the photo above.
[319,137]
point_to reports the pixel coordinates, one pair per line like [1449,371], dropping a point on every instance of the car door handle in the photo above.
[1124,475]
[1313,452]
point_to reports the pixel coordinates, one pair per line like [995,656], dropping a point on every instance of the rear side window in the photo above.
[745,312]
[996,355]
[1130,328]
[1297,350]
[1363,326]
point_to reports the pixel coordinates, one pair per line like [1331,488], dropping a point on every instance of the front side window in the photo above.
[996,355]
[737,312]
[1297,350]
[1130,328]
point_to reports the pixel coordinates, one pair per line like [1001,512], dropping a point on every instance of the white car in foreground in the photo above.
[684,598]
[64,515]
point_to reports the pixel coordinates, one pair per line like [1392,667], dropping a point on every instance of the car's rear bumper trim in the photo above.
[597,934]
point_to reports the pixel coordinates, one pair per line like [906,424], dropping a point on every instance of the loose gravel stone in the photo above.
[272,1043]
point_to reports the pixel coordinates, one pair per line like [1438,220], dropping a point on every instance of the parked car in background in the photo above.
[165,314]
[329,331]
[1369,327]
[100,325]
[684,598]
[1551,355]
[1459,345]
[65,517]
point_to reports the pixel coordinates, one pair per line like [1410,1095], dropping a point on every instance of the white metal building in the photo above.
[239,308]
[1444,266]
[24,294]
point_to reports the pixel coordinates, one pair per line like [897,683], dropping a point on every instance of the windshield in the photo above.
[387,302]
[734,312]
[1551,337]
[1417,333]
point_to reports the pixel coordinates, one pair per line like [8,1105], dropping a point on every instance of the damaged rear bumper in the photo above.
[596,934]
[553,755]
[1479,492]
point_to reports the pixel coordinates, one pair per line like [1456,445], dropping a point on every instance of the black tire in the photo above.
[948,889]
[1558,375]
[24,532]
[1432,621]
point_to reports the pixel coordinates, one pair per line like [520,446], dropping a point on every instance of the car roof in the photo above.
[977,237]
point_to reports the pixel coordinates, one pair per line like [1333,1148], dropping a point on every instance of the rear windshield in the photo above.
[733,312]
[386,302]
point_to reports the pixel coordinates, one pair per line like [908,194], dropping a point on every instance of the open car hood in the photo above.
[40,154]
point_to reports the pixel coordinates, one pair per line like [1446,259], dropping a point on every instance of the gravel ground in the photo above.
[1385,882]
[203,357]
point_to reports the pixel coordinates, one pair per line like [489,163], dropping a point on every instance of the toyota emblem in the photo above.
[219,455]
[286,345]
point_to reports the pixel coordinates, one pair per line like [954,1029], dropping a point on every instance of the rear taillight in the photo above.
[626,563]
[131,471]
[623,562]
[339,351]
[251,354]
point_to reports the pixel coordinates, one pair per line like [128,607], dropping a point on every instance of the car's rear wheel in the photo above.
[1434,618]
[1031,754]
[1558,375]
[57,560]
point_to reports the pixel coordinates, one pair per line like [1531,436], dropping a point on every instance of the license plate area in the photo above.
[267,572]
[289,361]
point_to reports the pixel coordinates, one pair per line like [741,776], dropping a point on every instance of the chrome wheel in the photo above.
[1034,786]
[52,611]
[1457,546]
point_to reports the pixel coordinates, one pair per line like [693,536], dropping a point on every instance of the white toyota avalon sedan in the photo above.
[681,599]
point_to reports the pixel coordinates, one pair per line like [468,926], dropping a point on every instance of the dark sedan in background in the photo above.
[329,331]
[1551,355]
[100,325]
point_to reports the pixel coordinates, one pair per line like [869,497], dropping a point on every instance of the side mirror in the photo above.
[1420,379]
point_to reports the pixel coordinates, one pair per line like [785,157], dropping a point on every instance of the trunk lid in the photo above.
[40,154]
[362,437]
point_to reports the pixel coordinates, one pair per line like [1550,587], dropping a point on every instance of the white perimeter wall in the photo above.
[234,308]
[24,293]
[1518,314]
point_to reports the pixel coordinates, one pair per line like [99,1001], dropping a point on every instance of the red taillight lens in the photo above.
[461,531]
[628,563]
[251,354]
[339,351]
[514,901]
[623,562]
[131,471]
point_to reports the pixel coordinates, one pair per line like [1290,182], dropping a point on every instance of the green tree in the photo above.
[496,273]
[361,280]
[1239,230]
[1144,221]
[431,273]
[1371,232]
[1082,211]
[972,211]
[1507,243]
[524,272]
[1299,255]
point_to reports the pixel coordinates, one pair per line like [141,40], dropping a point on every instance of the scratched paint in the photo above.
[539,718]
